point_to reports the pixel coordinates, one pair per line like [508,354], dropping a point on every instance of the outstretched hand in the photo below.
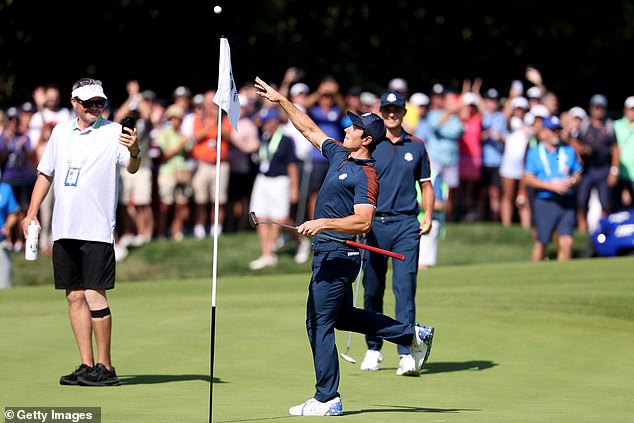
[266,91]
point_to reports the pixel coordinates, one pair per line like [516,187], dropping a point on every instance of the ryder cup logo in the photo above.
[343,176]
[408,157]
[391,98]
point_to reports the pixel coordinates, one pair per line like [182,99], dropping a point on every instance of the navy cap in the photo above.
[551,122]
[392,98]
[491,93]
[269,113]
[370,123]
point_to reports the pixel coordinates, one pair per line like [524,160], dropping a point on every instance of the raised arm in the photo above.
[301,120]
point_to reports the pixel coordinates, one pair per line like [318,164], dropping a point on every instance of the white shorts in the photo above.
[204,183]
[136,188]
[271,197]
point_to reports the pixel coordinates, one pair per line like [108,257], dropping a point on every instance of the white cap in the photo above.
[419,99]
[367,98]
[519,102]
[89,91]
[629,102]
[577,112]
[534,92]
[397,84]
[539,110]
[469,98]
[299,88]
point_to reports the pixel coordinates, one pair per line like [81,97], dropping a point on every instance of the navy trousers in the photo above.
[400,234]
[329,307]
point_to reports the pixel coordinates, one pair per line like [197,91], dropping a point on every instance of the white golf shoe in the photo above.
[407,366]
[312,407]
[371,360]
[262,262]
[421,345]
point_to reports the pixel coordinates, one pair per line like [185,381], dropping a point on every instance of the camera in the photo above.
[128,122]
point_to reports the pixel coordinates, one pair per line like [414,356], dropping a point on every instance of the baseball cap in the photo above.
[299,88]
[367,98]
[491,93]
[182,91]
[437,89]
[88,91]
[539,110]
[419,99]
[198,99]
[577,112]
[519,103]
[269,113]
[12,112]
[551,122]
[469,99]
[392,98]
[397,84]
[629,102]
[27,107]
[371,123]
[599,100]
[174,110]
[534,92]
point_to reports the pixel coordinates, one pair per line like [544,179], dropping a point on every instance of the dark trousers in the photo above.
[400,234]
[330,307]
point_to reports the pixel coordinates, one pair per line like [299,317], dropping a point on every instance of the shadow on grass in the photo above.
[407,409]
[152,379]
[453,366]
[388,409]
[458,366]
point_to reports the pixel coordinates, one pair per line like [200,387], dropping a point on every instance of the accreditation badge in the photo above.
[72,176]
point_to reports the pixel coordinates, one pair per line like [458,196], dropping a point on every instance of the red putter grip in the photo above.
[375,249]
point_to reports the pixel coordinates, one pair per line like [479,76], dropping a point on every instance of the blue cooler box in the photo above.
[615,235]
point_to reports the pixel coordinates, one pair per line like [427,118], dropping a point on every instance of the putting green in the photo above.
[515,342]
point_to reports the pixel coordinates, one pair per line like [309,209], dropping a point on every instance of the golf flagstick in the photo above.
[345,355]
[227,99]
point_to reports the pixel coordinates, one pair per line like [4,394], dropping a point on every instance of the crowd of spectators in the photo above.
[477,137]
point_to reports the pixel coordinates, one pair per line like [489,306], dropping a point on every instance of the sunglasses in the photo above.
[87,104]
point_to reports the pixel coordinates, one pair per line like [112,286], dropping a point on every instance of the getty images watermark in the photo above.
[52,414]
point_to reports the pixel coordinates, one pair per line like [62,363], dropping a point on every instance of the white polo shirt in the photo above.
[85,167]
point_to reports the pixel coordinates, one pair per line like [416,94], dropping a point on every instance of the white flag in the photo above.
[227,95]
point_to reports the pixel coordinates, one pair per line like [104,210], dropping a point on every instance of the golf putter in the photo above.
[253,220]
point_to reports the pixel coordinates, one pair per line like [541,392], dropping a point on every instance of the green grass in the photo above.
[515,342]
[192,258]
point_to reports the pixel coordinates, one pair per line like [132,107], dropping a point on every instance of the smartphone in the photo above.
[128,122]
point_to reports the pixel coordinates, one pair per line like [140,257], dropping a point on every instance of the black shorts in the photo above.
[81,264]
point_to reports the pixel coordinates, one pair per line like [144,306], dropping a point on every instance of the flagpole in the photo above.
[227,100]
[214,272]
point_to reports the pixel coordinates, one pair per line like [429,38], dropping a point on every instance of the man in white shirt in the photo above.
[82,161]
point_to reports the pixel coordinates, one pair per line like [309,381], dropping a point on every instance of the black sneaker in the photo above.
[71,379]
[99,376]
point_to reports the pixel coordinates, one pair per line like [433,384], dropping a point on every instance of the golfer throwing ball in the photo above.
[345,205]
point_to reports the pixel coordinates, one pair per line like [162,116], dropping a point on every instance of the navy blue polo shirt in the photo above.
[349,182]
[399,167]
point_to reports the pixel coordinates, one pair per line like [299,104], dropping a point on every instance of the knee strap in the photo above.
[96,314]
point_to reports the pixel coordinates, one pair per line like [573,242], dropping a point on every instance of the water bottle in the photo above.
[32,239]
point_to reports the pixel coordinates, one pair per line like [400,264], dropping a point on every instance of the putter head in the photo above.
[253,221]
[348,358]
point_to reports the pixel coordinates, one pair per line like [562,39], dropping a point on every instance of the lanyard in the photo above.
[83,156]
[267,150]
[561,160]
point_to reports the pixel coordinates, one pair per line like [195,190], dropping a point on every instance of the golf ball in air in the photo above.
[217,9]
